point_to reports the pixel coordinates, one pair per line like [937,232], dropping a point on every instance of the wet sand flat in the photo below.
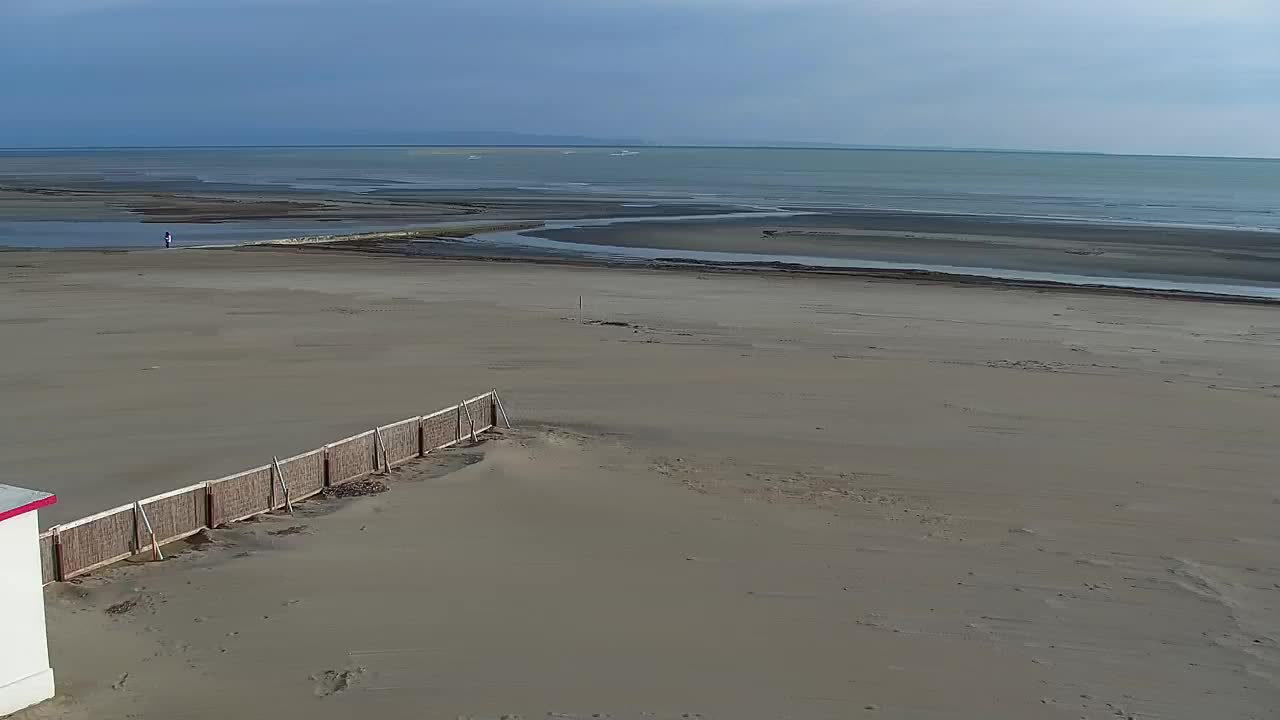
[727,495]
[1094,249]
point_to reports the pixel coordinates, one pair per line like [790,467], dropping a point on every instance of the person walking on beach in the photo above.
[168,239]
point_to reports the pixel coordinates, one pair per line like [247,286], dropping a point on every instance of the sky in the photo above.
[1197,77]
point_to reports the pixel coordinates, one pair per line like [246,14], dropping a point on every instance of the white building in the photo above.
[25,675]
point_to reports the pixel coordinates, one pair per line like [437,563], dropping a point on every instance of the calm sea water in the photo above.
[1238,193]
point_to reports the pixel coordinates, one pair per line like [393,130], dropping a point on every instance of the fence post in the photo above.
[497,402]
[326,466]
[57,553]
[210,518]
[137,548]
[470,421]
[284,487]
[379,445]
[155,547]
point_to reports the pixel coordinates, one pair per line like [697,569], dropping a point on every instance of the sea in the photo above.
[1201,192]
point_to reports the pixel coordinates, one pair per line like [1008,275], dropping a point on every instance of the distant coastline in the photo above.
[632,143]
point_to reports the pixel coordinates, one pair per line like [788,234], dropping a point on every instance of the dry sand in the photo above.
[743,496]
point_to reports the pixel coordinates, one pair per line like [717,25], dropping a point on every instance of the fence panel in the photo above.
[174,515]
[440,429]
[95,541]
[400,441]
[304,474]
[478,410]
[351,459]
[48,557]
[107,537]
[239,496]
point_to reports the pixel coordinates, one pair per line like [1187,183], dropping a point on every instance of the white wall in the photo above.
[25,677]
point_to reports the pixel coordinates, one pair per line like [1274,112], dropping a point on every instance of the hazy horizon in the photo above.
[764,145]
[1127,77]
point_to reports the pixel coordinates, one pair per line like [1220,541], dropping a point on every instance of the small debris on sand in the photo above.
[123,607]
[1033,365]
[331,682]
[291,530]
[356,489]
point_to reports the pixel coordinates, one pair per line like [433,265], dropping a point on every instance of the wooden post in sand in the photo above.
[501,410]
[386,462]
[284,487]
[470,421]
[155,547]
[57,553]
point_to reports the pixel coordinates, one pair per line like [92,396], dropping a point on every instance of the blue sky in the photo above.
[1142,76]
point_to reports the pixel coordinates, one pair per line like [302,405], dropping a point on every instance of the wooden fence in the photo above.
[78,547]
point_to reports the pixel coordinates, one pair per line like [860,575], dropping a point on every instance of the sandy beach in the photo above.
[727,495]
